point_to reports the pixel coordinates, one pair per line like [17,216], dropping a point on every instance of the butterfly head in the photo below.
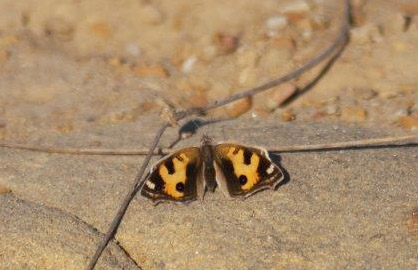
[206,140]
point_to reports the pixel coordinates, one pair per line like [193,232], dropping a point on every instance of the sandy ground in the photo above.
[97,74]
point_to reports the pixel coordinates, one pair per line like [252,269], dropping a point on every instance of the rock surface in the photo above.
[95,74]
[34,236]
[341,209]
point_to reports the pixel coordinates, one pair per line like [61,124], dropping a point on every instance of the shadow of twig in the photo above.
[316,79]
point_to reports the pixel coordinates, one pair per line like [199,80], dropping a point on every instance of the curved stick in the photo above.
[121,212]
[341,39]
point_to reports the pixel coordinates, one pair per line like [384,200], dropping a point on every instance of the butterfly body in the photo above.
[184,176]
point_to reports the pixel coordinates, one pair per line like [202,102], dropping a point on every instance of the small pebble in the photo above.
[401,112]
[296,6]
[296,10]
[133,49]
[113,61]
[65,128]
[353,114]
[409,122]
[100,29]
[275,24]
[287,115]
[260,112]
[197,99]
[318,115]
[188,64]
[332,109]
[157,71]
[239,107]
[225,43]
[4,190]
[283,42]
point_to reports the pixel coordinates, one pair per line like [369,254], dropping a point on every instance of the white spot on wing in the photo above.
[150,184]
[270,169]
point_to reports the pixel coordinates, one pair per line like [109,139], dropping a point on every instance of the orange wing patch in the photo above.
[179,176]
[240,168]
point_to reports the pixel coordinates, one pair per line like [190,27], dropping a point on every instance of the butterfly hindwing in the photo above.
[244,170]
[175,177]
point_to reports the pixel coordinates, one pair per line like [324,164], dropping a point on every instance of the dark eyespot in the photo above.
[242,179]
[180,187]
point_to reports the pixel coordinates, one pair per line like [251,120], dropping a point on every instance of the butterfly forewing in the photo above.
[174,178]
[243,170]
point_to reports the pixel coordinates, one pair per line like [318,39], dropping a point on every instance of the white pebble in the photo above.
[188,64]
[132,49]
[276,23]
[298,7]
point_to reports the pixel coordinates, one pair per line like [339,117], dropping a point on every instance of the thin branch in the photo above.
[382,142]
[134,189]
[80,151]
[411,140]
[341,39]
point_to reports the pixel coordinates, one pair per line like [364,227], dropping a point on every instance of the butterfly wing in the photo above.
[175,178]
[243,170]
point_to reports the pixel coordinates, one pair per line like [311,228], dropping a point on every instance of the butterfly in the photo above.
[185,175]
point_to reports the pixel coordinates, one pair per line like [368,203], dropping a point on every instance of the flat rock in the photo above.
[339,210]
[40,237]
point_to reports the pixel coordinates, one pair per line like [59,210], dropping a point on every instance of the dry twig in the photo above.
[122,209]
[409,140]
[340,41]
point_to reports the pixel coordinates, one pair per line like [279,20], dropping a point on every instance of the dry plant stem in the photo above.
[79,151]
[383,142]
[134,189]
[411,140]
[339,41]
